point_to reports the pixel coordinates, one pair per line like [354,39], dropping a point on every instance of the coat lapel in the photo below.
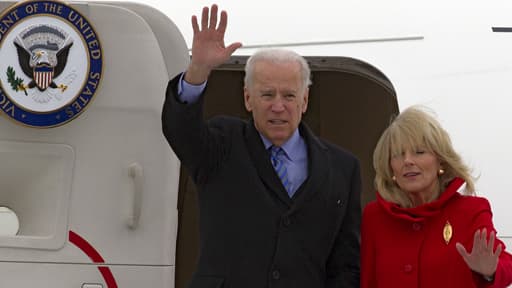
[317,168]
[261,159]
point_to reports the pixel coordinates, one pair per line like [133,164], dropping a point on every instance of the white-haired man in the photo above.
[279,207]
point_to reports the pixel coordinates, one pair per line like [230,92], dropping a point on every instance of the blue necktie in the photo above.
[276,156]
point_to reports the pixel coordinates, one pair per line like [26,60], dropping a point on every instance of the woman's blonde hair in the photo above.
[415,128]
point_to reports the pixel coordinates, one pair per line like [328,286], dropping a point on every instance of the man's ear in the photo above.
[247,101]
[305,103]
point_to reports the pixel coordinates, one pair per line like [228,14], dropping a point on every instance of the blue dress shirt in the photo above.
[296,160]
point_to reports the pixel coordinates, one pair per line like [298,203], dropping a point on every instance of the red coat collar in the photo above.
[421,212]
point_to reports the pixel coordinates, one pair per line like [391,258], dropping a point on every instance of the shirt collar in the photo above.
[291,147]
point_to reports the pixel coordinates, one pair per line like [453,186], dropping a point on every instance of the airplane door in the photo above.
[350,104]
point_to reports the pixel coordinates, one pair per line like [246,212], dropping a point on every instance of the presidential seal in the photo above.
[50,63]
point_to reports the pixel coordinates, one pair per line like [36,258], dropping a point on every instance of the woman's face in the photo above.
[416,172]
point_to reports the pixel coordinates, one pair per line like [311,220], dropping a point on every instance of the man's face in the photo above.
[276,98]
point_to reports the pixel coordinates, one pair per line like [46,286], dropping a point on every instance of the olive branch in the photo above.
[16,82]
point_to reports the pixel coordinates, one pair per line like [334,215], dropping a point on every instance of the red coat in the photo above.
[406,248]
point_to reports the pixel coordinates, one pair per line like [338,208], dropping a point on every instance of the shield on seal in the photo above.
[43,76]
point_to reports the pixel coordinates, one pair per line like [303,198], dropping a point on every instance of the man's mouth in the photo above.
[277,122]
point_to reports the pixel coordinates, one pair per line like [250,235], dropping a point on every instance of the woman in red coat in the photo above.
[426,228]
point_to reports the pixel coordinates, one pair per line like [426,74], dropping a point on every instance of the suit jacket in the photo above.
[407,247]
[251,233]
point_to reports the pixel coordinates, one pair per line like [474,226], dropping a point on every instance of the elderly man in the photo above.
[279,207]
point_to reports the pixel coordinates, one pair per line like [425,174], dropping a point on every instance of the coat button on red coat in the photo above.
[407,268]
[416,226]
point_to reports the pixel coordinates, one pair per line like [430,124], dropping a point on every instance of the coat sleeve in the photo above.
[343,263]
[503,275]
[199,146]
[368,273]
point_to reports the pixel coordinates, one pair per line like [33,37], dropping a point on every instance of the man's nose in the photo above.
[278,104]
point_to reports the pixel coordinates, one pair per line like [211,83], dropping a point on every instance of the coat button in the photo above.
[407,268]
[276,275]
[286,221]
[416,226]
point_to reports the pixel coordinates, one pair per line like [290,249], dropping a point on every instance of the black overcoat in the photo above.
[252,235]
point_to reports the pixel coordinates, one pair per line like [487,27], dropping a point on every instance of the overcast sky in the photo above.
[276,22]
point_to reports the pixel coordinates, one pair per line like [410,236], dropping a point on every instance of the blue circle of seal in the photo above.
[17,13]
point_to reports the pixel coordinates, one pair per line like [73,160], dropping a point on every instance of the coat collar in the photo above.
[317,168]
[424,211]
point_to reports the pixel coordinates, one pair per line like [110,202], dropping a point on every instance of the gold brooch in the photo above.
[447,232]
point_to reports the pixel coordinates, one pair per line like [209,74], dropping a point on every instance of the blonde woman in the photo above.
[427,228]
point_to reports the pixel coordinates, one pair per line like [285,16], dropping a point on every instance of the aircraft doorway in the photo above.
[350,104]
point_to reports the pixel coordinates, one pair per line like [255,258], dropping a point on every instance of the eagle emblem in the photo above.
[51,63]
[42,54]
